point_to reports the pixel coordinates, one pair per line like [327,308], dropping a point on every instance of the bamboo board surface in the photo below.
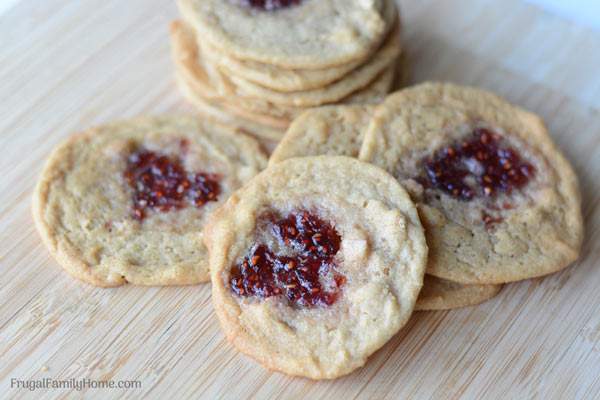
[68,65]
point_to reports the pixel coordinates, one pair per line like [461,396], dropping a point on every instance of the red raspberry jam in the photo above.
[270,5]
[161,183]
[306,275]
[308,235]
[481,165]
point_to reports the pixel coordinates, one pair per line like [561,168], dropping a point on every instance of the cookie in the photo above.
[215,85]
[194,75]
[213,110]
[498,200]
[303,34]
[127,202]
[339,130]
[273,77]
[315,264]
[331,130]
[285,80]
[194,81]
[441,294]
[376,91]
[335,91]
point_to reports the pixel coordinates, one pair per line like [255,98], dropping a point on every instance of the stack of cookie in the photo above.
[258,64]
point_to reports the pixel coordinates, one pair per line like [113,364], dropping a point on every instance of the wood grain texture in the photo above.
[67,65]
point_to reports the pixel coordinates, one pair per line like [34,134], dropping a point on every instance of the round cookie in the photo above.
[127,202]
[335,91]
[498,200]
[273,77]
[194,79]
[305,34]
[339,130]
[441,294]
[315,264]
[214,111]
[194,74]
[331,130]
[377,90]
[262,127]
[210,80]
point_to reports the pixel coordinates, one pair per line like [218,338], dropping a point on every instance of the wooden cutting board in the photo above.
[68,65]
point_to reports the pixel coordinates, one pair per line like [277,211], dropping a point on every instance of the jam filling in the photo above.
[481,165]
[270,5]
[161,183]
[306,275]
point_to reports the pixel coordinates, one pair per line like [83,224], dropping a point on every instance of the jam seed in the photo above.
[485,138]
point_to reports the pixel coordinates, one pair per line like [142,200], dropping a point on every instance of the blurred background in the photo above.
[581,11]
